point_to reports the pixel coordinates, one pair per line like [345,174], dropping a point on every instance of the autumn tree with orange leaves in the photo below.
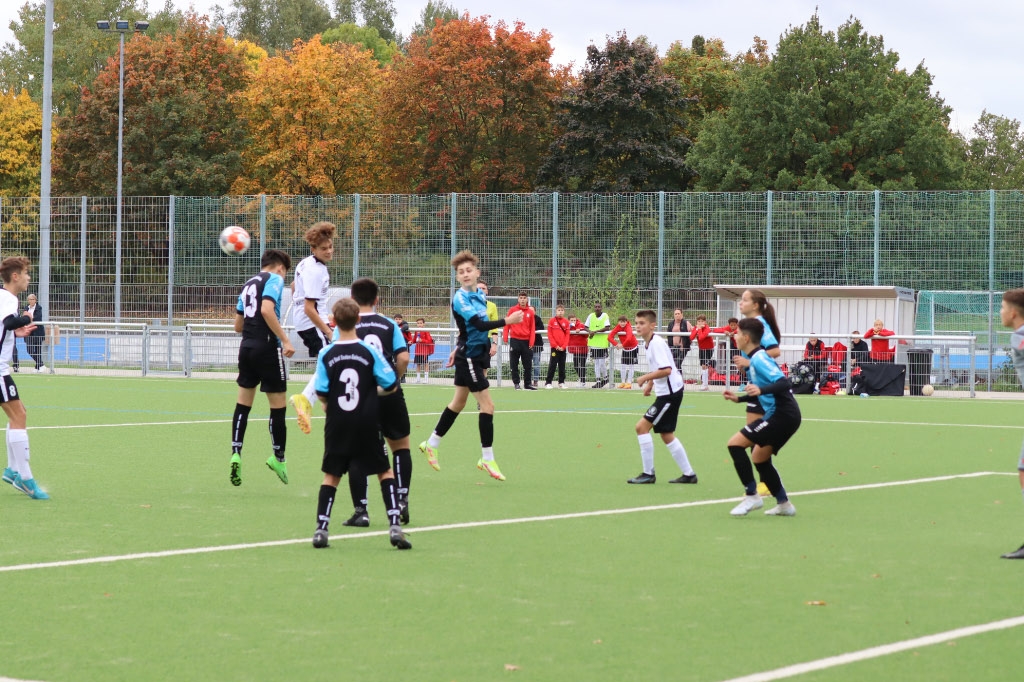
[469,109]
[310,117]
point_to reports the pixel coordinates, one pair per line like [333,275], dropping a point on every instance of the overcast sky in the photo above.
[970,48]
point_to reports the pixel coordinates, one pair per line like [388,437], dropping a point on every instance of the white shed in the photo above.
[830,312]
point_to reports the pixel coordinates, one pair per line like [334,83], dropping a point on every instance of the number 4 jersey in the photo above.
[348,373]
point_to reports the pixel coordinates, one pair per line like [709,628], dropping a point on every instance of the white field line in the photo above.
[577,413]
[878,651]
[470,524]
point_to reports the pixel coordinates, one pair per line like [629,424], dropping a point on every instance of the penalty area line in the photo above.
[879,651]
[469,524]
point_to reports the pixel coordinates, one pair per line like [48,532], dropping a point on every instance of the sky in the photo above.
[970,48]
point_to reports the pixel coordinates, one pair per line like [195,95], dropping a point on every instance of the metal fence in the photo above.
[656,250]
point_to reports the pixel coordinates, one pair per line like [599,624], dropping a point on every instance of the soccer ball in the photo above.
[927,389]
[234,240]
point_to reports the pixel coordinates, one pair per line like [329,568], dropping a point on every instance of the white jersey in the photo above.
[8,308]
[311,282]
[659,356]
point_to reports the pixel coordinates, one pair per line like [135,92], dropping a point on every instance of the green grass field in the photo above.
[563,572]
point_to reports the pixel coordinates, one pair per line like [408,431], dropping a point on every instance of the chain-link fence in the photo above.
[628,251]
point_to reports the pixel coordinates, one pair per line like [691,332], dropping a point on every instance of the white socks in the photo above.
[10,451]
[629,374]
[678,452]
[434,440]
[704,377]
[646,452]
[310,392]
[488,454]
[17,444]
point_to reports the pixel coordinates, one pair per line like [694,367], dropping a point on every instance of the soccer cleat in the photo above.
[236,469]
[643,479]
[1019,554]
[30,488]
[431,453]
[9,475]
[320,539]
[762,489]
[782,509]
[303,412]
[398,538]
[491,467]
[403,512]
[749,504]
[279,468]
[685,478]
[359,519]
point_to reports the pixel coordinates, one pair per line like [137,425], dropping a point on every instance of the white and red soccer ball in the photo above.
[234,240]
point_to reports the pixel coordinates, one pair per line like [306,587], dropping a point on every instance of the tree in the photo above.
[362,36]
[469,108]
[380,14]
[996,153]
[79,48]
[181,135]
[707,74]
[311,120]
[830,111]
[276,24]
[623,123]
[21,134]
[432,13]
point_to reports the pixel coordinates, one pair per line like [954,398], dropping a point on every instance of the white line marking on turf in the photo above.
[576,413]
[473,524]
[878,651]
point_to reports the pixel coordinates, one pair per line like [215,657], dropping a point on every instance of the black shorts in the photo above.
[314,340]
[774,431]
[629,356]
[707,358]
[8,391]
[358,448]
[598,353]
[393,415]
[262,366]
[472,372]
[664,412]
[422,360]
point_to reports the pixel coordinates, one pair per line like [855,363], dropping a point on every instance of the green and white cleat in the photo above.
[236,469]
[431,453]
[279,468]
[491,467]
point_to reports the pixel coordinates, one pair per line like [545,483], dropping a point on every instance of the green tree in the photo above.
[21,134]
[380,14]
[707,73]
[181,134]
[365,37]
[433,12]
[79,49]
[996,153]
[276,24]
[830,111]
[623,125]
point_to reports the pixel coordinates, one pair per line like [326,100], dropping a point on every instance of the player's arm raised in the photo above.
[267,308]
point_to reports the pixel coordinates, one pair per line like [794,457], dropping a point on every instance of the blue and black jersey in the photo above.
[383,334]
[263,286]
[470,311]
[347,376]
[777,394]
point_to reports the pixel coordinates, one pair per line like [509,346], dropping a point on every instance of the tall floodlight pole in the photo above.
[44,165]
[121,27]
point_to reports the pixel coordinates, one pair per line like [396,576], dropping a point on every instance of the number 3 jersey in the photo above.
[348,373]
[264,286]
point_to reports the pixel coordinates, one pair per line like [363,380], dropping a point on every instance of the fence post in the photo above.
[355,239]
[991,281]
[878,231]
[170,276]
[768,242]
[145,349]
[81,261]
[661,256]
[451,276]
[554,251]
[263,224]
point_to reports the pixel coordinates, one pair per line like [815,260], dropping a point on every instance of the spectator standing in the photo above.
[578,336]
[538,347]
[34,341]
[519,337]
[424,347]
[598,325]
[679,345]
[881,351]
[558,339]
[630,346]
[701,333]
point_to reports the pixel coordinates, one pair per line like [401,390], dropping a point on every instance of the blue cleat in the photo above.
[30,488]
[9,475]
